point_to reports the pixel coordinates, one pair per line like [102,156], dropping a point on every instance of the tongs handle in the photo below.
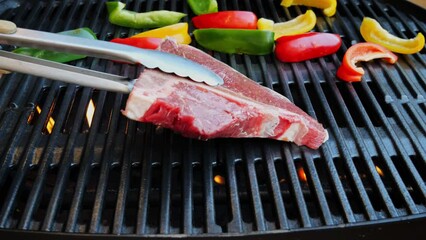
[66,73]
[149,58]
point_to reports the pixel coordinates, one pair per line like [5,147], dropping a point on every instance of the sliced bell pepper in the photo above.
[178,31]
[301,47]
[58,56]
[371,31]
[226,19]
[125,18]
[200,7]
[349,72]
[328,6]
[301,24]
[143,42]
[265,24]
[253,42]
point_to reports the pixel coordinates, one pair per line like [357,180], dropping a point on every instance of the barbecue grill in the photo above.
[72,166]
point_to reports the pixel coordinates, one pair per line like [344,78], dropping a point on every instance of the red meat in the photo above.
[239,108]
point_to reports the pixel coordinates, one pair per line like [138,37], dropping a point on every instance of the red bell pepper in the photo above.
[226,19]
[301,47]
[143,42]
[349,72]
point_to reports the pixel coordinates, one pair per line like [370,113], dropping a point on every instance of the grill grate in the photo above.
[119,177]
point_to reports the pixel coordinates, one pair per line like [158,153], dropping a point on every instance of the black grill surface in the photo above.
[119,178]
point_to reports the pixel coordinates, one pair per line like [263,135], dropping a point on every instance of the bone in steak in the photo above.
[239,108]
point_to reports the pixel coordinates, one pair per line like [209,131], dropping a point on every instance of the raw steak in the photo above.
[239,108]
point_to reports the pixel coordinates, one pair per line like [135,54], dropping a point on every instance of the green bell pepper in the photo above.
[252,42]
[203,6]
[125,18]
[58,56]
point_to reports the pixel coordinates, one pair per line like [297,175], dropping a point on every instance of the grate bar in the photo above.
[166,188]
[298,194]
[187,181]
[236,224]
[254,186]
[146,175]
[105,167]
[209,156]
[119,214]
[337,184]
[276,192]
[319,191]
[20,138]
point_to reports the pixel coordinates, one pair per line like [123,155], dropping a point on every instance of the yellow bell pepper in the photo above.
[178,31]
[265,24]
[301,24]
[328,6]
[371,31]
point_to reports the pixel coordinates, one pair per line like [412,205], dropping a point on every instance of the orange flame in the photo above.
[50,123]
[302,175]
[90,112]
[219,179]
[379,171]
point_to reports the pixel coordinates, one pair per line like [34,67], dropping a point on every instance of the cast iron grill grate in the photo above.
[61,172]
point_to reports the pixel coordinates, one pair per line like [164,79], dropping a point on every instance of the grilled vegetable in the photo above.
[296,48]
[226,19]
[143,42]
[254,42]
[200,7]
[301,24]
[265,24]
[349,72]
[58,56]
[125,18]
[178,31]
[328,6]
[371,31]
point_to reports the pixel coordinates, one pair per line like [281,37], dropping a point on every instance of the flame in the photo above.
[50,123]
[219,179]
[379,171]
[302,175]
[90,112]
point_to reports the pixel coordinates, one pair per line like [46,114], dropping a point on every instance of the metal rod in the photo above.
[66,73]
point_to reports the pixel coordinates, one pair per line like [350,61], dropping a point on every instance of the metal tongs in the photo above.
[11,35]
